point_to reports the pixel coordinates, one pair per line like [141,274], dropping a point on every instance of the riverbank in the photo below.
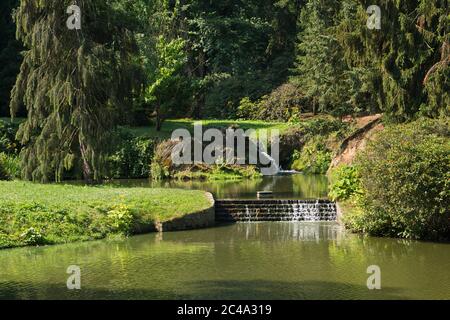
[38,214]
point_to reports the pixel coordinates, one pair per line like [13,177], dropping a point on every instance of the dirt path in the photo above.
[367,127]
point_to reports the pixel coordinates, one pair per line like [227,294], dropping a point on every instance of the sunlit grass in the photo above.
[66,213]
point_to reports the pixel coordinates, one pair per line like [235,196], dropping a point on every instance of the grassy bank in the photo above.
[171,125]
[37,214]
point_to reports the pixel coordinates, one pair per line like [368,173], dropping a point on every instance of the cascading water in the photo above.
[275,210]
[247,214]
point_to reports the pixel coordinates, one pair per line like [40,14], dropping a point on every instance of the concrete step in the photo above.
[275,210]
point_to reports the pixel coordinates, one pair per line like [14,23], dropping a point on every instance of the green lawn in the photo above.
[170,125]
[16,120]
[32,214]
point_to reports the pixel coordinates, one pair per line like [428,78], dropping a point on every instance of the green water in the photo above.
[242,261]
[297,186]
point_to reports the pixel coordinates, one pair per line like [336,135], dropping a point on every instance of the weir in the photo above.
[232,210]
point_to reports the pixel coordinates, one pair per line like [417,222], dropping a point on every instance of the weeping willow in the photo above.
[73,83]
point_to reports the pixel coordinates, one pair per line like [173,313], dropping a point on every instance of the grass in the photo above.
[38,214]
[16,120]
[170,125]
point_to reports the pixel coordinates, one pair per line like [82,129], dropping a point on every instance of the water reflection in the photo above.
[297,186]
[286,231]
[283,260]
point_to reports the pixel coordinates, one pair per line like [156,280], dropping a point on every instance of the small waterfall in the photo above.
[247,214]
[272,161]
[275,210]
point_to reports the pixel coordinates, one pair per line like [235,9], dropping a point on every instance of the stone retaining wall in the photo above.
[196,220]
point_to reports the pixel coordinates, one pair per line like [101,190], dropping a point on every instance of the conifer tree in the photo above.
[73,84]
[10,57]
[319,71]
[396,62]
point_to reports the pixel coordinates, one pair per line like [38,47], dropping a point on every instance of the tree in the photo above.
[395,63]
[74,84]
[319,71]
[167,79]
[10,57]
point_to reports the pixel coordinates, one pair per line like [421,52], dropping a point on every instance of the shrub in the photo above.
[405,178]
[295,138]
[32,237]
[161,165]
[132,156]
[3,174]
[247,109]
[121,219]
[8,142]
[314,157]
[9,167]
[281,104]
[344,183]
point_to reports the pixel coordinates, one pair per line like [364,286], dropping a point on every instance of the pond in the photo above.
[296,186]
[297,260]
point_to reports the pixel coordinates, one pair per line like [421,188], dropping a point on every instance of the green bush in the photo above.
[32,237]
[282,104]
[132,156]
[405,178]
[9,167]
[247,109]
[8,142]
[344,183]
[120,218]
[315,157]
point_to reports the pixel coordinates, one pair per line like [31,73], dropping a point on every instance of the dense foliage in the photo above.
[10,57]
[8,142]
[73,97]
[345,183]
[404,176]
[131,156]
[314,157]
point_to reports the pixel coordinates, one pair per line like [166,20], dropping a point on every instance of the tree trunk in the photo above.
[158,118]
[200,101]
[87,172]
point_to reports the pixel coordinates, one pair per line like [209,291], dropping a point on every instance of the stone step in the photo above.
[273,205]
[268,218]
[271,201]
[275,210]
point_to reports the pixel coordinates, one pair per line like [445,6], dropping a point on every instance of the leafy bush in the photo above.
[405,178]
[281,104]
[247,109]
[121,219]
[8,142]
[32,237]
[3,174]
[9,167]
[344,183]
[132,156]
[315,157]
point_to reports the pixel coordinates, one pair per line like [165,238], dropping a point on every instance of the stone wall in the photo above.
[196,220]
